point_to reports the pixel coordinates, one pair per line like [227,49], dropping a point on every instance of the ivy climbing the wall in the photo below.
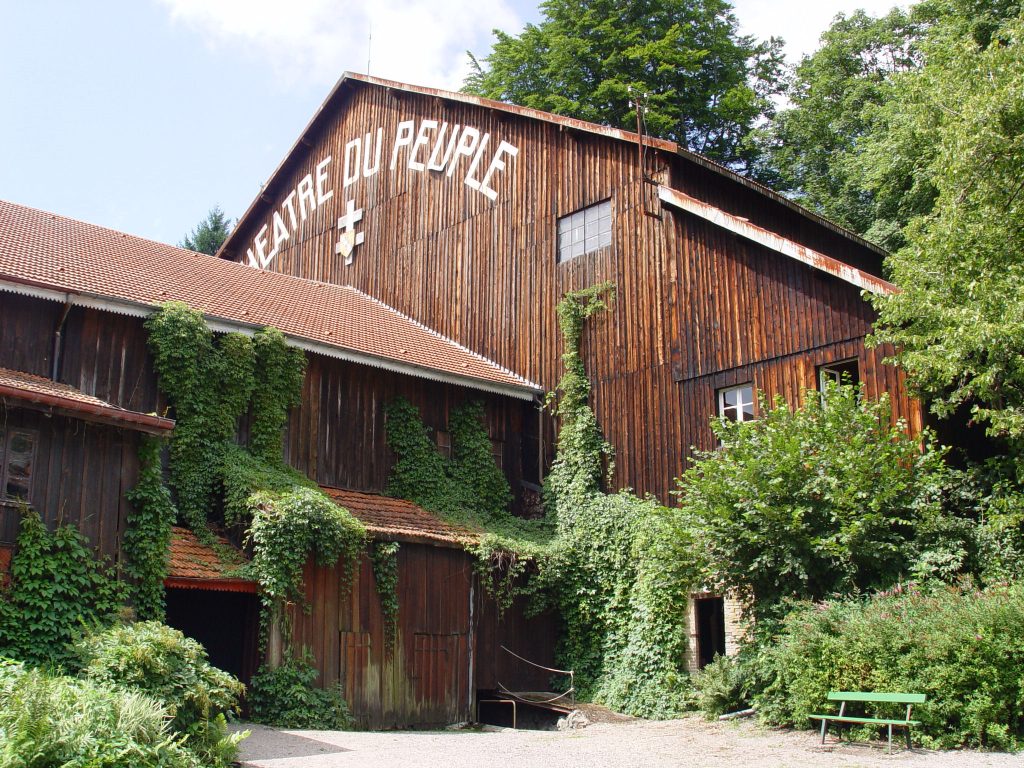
[384,559]
[616,567]
[280,370]
[58,587]
[209,381]
[622,573]
[148,533]
[469,490]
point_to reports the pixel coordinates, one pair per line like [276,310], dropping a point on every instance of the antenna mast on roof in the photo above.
[369,44]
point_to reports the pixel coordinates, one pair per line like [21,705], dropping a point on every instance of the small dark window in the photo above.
[585,231]
[841,372]
[736,403]
[498,452]
[444,444]
[17,458]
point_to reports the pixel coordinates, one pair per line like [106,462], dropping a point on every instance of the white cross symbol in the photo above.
[349,238]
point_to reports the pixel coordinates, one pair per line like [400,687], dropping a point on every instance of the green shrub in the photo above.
[58,586]
[962,647]
[62,722]
[161,662]
[823,500]
[286,697]
[720,687]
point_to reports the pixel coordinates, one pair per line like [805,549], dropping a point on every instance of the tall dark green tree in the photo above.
[704,84]
[209,234]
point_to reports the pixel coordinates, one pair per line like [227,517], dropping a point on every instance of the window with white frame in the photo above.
[585,231]
[736,403]
[840,372]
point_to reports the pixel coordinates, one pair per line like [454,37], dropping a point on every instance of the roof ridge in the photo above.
[449,339]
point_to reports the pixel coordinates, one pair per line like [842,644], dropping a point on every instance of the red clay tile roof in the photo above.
[26,387]
[47,255]
[194,565]
[400,520]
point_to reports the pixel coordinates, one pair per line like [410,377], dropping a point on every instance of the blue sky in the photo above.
[140,115]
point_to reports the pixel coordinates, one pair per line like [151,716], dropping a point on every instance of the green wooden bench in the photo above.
[910,699]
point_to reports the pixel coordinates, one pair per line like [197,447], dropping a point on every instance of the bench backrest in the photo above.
[894,698]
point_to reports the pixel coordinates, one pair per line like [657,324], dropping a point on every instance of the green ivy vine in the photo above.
[148,533]
[384,559]
[468,489]
[58,587]
[617,568]
[280,370]
[211,382]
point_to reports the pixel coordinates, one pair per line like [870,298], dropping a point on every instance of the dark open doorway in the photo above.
[710,629]
[226,623]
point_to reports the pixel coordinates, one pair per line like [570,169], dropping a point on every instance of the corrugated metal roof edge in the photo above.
[568,122]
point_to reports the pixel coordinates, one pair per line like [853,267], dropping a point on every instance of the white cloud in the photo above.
[800,22]
[314,41]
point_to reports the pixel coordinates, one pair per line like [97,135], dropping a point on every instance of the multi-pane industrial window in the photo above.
[736,403]
[17,455]
[585,231]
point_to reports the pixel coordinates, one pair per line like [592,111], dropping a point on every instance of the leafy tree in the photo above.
[843,148]
[813,146]
[209,234]
[808,503]
[705,85]
[958,322]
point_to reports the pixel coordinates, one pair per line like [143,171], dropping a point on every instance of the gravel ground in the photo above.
[643,744]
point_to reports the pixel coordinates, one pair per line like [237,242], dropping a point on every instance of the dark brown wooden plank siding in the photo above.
[426,679]
[693,299]
[338,436]
[80,475]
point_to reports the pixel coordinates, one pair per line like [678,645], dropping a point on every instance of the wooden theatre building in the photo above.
[416,242]
[475,217]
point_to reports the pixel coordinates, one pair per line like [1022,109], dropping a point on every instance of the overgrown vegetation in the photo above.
[147,534]
[467,489]
[157,661]
[962,646]
[826,499]
[58,587]
[50,720]
[286,519]
[384,559]
[286,697]
[608,563]
[211,381]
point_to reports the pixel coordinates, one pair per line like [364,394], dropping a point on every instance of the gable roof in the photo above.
[65,399]
[400,520]
[348,79]
[49,256]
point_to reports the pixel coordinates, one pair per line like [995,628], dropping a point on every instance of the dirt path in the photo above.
[636,744]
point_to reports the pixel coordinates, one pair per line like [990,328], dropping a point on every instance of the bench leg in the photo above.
[909,745]
[890,738]
[824,724]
